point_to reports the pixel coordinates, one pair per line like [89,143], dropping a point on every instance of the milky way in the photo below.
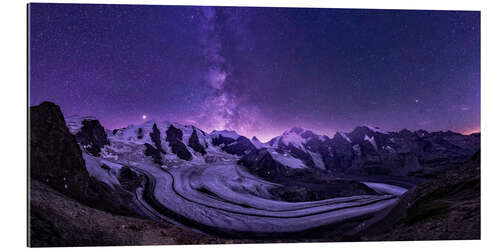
[258,71]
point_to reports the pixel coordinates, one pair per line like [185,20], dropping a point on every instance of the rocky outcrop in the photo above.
[240,146]
[56,160]
[58,221]
[174,139]
[194,143]
[222,140]
[156,138]
[140,133]
[154,153]
[370,151]
[92,137]
[447,208]
[55,157]
[300,184]
[129,179]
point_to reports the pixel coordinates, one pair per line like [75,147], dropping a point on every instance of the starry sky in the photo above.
[258,71]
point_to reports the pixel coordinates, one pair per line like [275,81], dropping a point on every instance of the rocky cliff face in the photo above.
[156,138]
[447,208]
[306,184]
[369,151]
[56,160]
[92,137]
[195,144]
[55,157]
[174,139]
[58,221]
[240,146]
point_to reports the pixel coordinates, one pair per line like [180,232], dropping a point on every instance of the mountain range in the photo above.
[297,186]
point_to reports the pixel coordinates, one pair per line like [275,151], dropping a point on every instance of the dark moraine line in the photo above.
[148,195]
[215,196]
[273,216]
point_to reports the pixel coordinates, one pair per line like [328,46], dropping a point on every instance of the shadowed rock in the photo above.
[174,139]
[140,133]
[92,136]
[156,138]
[129,179]
[195,144]
[300,184]
[240,146]
[154,153]
[447,208]
[219,140]
[56,160]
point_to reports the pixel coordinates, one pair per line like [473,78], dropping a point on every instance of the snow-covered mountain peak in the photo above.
[295,130]
[225,133]
[258,144]
[376,129]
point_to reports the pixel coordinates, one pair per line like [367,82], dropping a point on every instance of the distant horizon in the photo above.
[329,135]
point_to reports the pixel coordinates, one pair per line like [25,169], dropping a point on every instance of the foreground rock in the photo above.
[58,221]
[447,208]
[56,160]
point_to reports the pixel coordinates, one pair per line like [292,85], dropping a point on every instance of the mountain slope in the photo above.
[447,208]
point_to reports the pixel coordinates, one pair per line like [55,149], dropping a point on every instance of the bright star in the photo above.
[144,117]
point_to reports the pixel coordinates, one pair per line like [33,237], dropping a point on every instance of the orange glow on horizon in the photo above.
[472,131]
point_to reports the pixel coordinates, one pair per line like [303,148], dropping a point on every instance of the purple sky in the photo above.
[258,71]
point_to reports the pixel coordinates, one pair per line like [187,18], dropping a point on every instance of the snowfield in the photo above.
[219,194]
[224,196]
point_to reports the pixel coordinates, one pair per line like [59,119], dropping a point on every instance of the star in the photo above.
[144,117]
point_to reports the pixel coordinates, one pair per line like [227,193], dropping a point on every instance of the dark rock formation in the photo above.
[129,179]
[447,208]
[92,137]
[56,160]
[369,151]
[58,221]
[240,146]
[154,153]
[140,133]
[156,138]
[55,157]
[300,184]
[174,139]
[195,144]
[222,140]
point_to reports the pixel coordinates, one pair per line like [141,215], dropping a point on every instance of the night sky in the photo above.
[258,71]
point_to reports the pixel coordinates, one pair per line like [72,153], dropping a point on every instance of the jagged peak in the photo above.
[225,133]
[295,130]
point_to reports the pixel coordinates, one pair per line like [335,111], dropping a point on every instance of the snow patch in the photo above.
[287,160]
[371,140]
[377,130]
[95,169]
[294,139]
[345,137]
[225,133]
